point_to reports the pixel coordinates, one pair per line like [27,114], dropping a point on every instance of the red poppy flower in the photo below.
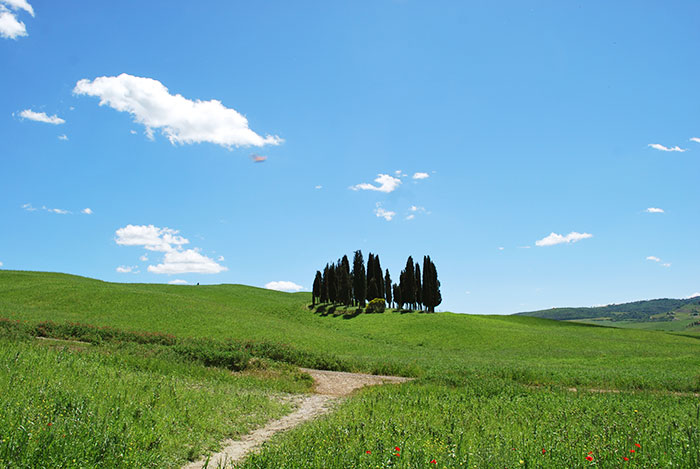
[631,451]
[368,452]
[433,462]
[590,452]
[589,458]
[397,448]
[544,450]
[397,455]
[50,424]
[625,458]
[637,445]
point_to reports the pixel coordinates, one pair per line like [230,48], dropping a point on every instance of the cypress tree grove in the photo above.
[324,285]
[332,284]
[387,288]
[397,295]
[344,283]
[427,286]
[316,291]
[359,279]
[408,284]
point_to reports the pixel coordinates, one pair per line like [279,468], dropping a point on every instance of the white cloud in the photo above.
[695,139]
[524,247]
[63,137]
[29,208]
[385,214]
[653,258]
[150,237]
[501,248]
[667,264]
[555,238]
[467,292]
[59,211]
[386,184]
[319,187]
[180,119]
[144,258]
[220,259]
[654,210]
[421,175]
[87,211]
[10,26]
[189,261]
[41,117]
[283,285]
[658,146]
[125,269]
[694,295]
[0,264]
[411,216]
[133,132]
[178,281]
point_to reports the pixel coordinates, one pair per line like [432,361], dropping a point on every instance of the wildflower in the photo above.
[433,462]
[637,445]
[397,448]
[368,452]
[625,458]
[49,424]
[544,450]
[589,458]
[398,455]
[631,451]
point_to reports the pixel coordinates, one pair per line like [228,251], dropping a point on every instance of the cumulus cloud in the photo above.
[421,175]
[382,213]
[180,119]
[150,237]
[87,211]
[126,269]
[654,210]
[10,26]
[41,117]
[189,261]
[695,139]
[144,258]
[178,281]
[386,184]
[653,258]
[555,238]
[658,146]
[283,285]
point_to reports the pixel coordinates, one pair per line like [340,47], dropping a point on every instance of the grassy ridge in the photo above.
[120,406]
[528,350]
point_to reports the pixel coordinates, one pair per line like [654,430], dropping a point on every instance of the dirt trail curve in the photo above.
[329,386]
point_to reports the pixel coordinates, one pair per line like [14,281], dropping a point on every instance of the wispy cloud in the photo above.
[41,117]
[695,139]
[658,146]
[180,119]
[386,184]
[283,285]
[380,212]
[178,281]
[87,211]
[421,175]
[63,137]
[654,210]
[10,26]
[127,269]
[555,238]
[653,259]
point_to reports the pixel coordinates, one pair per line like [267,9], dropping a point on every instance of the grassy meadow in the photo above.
[492,391]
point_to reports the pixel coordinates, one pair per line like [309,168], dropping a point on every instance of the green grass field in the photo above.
[487,384]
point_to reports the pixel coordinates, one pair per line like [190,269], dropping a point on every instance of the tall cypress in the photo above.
[397,296]
[387,288]
[359,279]
[378,277]
[419,288]
[437,297]
[427,284]
[344,283]
[324,285]
[316,291]
[408,284]
[332,284]
[371,292]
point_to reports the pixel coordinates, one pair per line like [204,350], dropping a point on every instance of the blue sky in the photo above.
[519,144]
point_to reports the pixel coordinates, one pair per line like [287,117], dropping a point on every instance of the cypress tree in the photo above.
[397,295]
[437,297]
[345,285]
[370,276]
[378,277]
[324,285]
[316,291]
[419,288]
[427,284]
[359,279]
[408,284]
[387,288]
[332,284]
[372,290]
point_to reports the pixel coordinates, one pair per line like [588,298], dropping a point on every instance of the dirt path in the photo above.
[329,388]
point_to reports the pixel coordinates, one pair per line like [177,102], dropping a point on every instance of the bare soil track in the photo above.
[329,388]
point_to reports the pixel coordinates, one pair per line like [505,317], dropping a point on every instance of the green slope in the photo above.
[524,349]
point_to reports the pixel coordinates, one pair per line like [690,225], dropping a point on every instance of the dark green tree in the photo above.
[397,295]
[387,288]
[359,279]
[378,277]
[408,284]
[344,282]
[324,285]
[419,287]
[371,293]
[316,291]
[332,284]
[427,285]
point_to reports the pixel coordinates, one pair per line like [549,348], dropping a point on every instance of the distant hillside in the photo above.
[635,311]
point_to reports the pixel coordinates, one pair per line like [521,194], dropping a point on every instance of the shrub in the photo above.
[377,305]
